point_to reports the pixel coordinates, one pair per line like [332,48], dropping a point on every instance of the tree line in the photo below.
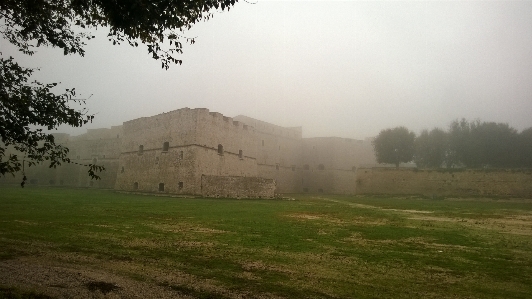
[471,144]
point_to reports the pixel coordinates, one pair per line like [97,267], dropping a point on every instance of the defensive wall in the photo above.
[443,182]
[196,151]
[97,146]
[174,152]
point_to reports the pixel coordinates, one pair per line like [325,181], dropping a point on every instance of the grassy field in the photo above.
[74,243]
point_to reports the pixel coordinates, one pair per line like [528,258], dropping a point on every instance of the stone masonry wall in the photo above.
[170,152]
[464,182]
[237,187]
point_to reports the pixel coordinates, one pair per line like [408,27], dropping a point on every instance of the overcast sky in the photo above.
[336,68]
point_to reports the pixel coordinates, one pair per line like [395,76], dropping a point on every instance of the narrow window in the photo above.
[91,183]
[122,171]
[220,149]
[181,155]
[78,157]
[277,166]
[166,146]
[293,168]
[161,187]
[94,161]
[306,167]
[141,149]
[354,168]
[240,154]
[279,147]
[104,156]
[117,135]
[135,186]
[321,167]
[262,142]
[156,160]
[180,185]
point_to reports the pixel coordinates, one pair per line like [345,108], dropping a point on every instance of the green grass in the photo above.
[311,247]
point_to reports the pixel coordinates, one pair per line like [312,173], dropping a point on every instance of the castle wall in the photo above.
[278,153]
[237,187]
[462,182]
[99,146]
[199,143]
[330,164]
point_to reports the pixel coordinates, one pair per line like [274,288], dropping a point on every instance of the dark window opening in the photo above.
[240,154]
[141,149]
[277,166]
[306,167]
[135,186]
[122,171]
[166,146]
[181,155]
[104,156]
[220,149]
[321,167]
[161,187]
[293,168]
[262,142]
[180,185]
[156,160]
[117,135]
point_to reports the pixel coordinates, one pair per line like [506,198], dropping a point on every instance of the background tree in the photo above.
[431,148]
[483,144]
[460,152]
[494,144]
[525,148]
[394,146]
[26,108]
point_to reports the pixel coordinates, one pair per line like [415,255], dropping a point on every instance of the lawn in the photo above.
[75,243]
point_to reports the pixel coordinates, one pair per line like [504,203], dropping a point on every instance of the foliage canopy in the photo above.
[394,146]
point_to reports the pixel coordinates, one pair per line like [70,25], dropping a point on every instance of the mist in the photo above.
[336,68]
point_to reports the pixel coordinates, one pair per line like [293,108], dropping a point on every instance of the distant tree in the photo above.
[495,144]
[431,148]
[525,148]
[460,152]
[394,146]
[483,144]
[28,107]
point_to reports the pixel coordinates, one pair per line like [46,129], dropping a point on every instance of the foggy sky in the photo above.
[346,69]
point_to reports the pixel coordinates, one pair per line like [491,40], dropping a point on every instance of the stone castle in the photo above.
[198,152]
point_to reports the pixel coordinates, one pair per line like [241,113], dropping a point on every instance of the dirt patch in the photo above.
[101,286]
[72,281]
[305,216]
[187,228]
[519,225]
